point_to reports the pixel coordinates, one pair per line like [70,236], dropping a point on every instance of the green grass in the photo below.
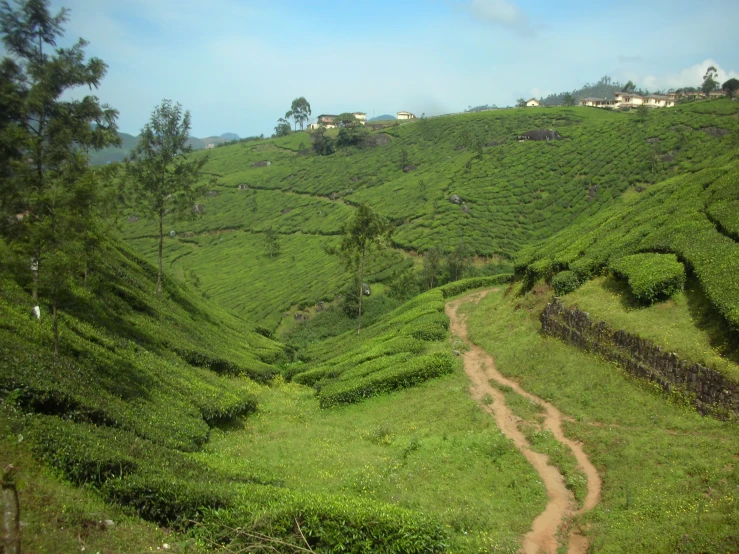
[429,449]
[670,476]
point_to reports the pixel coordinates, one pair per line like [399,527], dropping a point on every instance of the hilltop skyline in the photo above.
[235,65]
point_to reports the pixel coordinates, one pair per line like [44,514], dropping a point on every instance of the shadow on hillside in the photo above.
[621,289]
[708,319]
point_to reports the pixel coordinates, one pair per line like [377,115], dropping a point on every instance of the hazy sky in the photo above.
[237,64]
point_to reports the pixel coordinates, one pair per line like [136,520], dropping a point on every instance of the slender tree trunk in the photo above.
[161,242]
[11,537]
[361,292]
[34,276]
[56,329]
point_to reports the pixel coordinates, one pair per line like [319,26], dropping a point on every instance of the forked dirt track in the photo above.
[480,368]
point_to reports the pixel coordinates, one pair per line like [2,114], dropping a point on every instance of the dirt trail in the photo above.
[480,368]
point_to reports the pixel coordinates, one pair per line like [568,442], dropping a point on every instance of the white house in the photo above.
[628,100]
[533,103]
[406,115]
[597,102]
[210,146]
[659,101]
[361,117]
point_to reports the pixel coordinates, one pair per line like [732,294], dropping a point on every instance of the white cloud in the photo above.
[502,13]
[689,77]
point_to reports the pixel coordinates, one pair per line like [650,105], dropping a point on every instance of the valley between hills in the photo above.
[499,331]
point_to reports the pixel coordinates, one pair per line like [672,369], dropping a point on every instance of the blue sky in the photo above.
[237,64]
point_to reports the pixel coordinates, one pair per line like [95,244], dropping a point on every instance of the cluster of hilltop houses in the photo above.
[328,121]
[633,100]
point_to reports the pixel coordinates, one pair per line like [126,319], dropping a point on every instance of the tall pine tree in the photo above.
[48,195]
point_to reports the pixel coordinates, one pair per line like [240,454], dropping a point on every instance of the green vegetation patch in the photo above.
[669,218]
[669,474]
[651,277]
[414,371]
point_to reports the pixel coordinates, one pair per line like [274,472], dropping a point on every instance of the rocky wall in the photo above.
[708,390]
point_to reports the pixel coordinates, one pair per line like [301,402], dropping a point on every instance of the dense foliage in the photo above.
[672,217]
[651,277]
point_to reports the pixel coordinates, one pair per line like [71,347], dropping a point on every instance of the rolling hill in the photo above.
[184,411]
[441,181]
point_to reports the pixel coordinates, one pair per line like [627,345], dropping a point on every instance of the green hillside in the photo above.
[692,216]
[511,193]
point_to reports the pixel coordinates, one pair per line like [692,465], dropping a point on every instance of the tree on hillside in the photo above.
[458,260]
[629,87]
[642,113]
[322,145]
[351,132]
[710,80]
[163,179]
[730,87]
[431,267]
[364,234]
[49,198]
[520,103]
[283,127]
[299,111]
[568,100]
[272,241]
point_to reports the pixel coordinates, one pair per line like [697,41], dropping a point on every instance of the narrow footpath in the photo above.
[480,368]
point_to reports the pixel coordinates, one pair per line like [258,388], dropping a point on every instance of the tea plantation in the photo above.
[680,224]
[183,411]
[142,382]
[507,193]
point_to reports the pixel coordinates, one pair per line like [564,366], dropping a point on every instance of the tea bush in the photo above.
[651,277]
[415,371]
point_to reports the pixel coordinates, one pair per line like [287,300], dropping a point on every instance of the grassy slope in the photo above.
[670,476]
[126,410]
[516,192]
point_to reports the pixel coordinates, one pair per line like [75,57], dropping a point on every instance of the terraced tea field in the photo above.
[510,193]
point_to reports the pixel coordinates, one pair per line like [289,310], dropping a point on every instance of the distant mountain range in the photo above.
[110,155]
[383,117]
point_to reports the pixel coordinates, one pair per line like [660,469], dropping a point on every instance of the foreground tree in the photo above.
[366,233]
[520,103]
[730,87]
[49,198]
[629,87]
[710,80]
[160,173]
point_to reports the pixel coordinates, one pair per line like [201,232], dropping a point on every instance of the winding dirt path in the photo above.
[480,368]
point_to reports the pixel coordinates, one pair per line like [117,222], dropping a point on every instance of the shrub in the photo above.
[458,287]
[651,277]
[415,371]
[565,282]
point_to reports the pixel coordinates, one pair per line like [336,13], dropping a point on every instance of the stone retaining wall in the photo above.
[708,390]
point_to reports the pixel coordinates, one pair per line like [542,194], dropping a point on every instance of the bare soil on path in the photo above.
[480,368]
